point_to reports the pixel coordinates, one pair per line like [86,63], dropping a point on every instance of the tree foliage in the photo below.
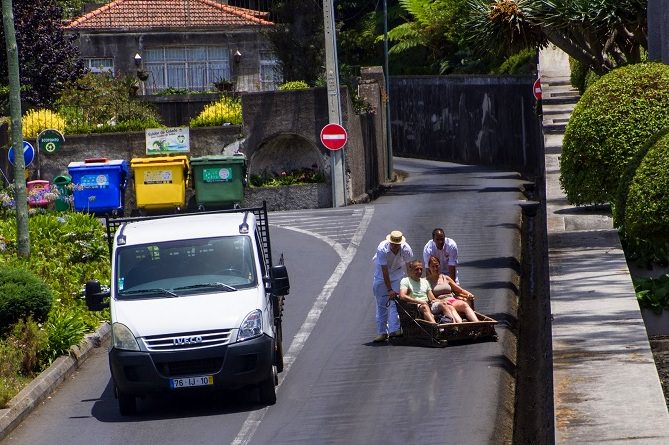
[431,38]
[48,59]
[601,34]
[298,39]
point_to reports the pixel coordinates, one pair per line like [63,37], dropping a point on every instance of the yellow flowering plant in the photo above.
[34,121]
[226,110]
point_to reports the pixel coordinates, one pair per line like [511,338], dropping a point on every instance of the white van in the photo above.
[195,304]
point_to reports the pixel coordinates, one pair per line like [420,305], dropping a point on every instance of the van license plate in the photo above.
[188,382]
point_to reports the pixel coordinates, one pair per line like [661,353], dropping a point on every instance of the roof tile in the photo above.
[147,14]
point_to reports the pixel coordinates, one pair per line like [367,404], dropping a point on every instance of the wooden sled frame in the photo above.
[417,331]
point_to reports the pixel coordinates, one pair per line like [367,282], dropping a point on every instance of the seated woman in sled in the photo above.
[449,293]
[414,289]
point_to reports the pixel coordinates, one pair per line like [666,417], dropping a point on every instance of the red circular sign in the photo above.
[334,136]
[536,89]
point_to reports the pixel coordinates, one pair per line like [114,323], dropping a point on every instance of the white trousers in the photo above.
[387,319]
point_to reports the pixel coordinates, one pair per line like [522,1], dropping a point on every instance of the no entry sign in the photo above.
[536,89]
[333,136]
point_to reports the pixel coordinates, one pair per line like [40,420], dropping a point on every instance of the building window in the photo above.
[270,71]
[188,67]
[99,65]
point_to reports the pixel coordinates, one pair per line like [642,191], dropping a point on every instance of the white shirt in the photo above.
[448,256]
[396,263]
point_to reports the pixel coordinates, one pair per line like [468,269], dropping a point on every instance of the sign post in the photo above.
[334,136]
[337,167]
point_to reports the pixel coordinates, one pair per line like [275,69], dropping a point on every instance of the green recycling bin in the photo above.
[62,184]
[219,180]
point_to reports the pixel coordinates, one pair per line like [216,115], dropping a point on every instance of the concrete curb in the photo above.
[48,381]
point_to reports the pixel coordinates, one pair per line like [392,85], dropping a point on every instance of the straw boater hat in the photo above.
[395,237]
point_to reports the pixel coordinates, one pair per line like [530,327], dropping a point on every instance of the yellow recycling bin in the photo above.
[160,182]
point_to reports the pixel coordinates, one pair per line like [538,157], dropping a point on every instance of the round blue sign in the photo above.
[28,153]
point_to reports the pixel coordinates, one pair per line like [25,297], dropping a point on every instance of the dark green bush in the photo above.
[523,62]
[22,295]
[577,74]
[611,121]
[646,210]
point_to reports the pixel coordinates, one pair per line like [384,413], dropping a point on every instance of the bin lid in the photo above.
[122,163]
[217,159]
[163,160]
[37,182]
[62,179]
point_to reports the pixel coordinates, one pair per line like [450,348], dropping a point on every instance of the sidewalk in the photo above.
[606,386]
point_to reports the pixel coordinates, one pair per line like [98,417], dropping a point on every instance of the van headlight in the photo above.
[122,338]
[251,326]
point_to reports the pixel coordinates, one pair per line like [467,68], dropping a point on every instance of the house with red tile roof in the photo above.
[190,44]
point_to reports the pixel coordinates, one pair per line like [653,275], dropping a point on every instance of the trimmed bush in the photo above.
[22,295]
[646,209]
[610,123]
[226,110]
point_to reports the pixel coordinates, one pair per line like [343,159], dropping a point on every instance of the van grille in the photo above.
[190,367]
[187,341]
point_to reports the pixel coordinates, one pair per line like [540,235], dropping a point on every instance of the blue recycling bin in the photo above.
[98,185]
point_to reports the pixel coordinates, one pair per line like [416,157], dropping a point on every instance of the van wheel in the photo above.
[127,403]
[267,389]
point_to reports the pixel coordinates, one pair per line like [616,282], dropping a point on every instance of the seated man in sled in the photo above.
[448,293]
[414,289]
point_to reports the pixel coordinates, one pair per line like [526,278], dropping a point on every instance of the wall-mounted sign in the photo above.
[50,141]
[167,140]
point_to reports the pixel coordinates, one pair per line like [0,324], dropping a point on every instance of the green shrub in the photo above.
[226,110]
[66,251]
[294,85]
[590,78]
[519,63]
[30,340]
[65,327]
[577,74]
[293,177]
[22,295]
[102,103]
[653,293]
[646,208]
[20,358]
[611,121]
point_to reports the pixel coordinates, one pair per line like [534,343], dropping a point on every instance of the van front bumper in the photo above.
[231,366]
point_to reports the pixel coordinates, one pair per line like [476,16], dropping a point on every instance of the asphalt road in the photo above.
[337,386]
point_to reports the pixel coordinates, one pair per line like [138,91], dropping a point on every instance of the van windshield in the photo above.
[183,267]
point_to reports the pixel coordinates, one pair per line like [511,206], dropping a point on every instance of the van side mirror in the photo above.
[94,296]
[279,280]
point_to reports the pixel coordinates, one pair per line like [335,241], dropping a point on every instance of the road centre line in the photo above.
[252,422]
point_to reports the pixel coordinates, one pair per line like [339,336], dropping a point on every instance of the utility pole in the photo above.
[20,194]
[389,135]
[337,172]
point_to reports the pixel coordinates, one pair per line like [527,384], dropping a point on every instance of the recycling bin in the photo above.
[219,180]
[37,191]
[99,185]
[160,182]
[62,184]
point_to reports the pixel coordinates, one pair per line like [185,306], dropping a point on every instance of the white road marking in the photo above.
[253,420]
